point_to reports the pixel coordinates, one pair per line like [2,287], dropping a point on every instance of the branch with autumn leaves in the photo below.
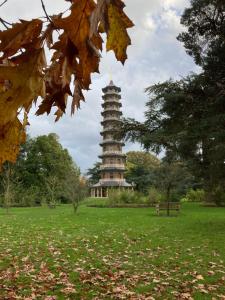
[25,75]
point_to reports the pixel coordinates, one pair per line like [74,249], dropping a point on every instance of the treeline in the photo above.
[186,118]
[154,178]
[43,174]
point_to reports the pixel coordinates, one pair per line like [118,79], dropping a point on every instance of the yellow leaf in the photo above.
[11,136]
[117,37]
[25,83]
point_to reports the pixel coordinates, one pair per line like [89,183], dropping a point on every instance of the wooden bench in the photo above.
[167,206]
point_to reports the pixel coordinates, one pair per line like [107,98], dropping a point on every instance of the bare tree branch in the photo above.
[3,3]
[44,9]
[5,23]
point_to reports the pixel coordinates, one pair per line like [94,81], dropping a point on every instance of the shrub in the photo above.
[184,199]
[117,197]
[218,196]
[195,195]
[154,196]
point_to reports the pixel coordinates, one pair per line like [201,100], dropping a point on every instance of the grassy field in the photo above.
[105,253]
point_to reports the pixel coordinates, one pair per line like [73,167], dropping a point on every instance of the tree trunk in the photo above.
[168,199]
[75,207]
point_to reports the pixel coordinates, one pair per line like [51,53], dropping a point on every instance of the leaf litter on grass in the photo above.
[105,264]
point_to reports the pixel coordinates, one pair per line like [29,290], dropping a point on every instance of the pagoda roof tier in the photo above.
[111,86]
[111,119]
[109,96]
[111,109]
[104,142]
[112,183]
[111,102]
[112,154]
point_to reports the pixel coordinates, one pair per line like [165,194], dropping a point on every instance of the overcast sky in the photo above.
[154,56]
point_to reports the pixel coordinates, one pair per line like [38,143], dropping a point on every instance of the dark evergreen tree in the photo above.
[94,173]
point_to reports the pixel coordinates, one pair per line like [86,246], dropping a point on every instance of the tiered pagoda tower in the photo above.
[113,160]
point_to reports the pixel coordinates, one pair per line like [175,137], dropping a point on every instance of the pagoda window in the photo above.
[111,175]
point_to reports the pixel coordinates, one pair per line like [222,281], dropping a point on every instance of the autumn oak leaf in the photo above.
[19,36]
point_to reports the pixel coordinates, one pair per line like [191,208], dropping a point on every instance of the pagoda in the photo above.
[113,160]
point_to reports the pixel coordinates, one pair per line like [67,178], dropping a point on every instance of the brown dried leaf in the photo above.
[19,36]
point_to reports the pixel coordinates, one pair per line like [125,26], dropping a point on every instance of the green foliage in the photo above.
[185,118]
[154,195]
[217,195]
[100,202]
[204,22]
[172,180]
[195,195]
[125,197]
[94,173]
[76,188]
[39,175]
[26,198]
[140,169]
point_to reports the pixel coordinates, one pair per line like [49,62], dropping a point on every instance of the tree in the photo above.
[8,186]
[140,169]
[47,166]
[94,173]
[173,179]
[184,119]
[76,188]
[75,42]
[52,187]
[204,21]
[41,171]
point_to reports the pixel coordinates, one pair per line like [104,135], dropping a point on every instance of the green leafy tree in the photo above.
[8,185]
[173,180]
[41,172]
[46,166]
[140,169]
[76,188]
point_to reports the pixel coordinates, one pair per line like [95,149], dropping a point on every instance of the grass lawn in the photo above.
[103,253]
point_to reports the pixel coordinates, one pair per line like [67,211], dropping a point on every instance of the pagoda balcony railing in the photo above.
[114,109]
[111,141]
[111,101]
[113,98]
[112,179]
[113,152]
[108,166]
[110,92]
[111,119]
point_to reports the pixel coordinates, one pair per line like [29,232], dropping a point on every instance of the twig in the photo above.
[3,3]
[5,23]
[44,9]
